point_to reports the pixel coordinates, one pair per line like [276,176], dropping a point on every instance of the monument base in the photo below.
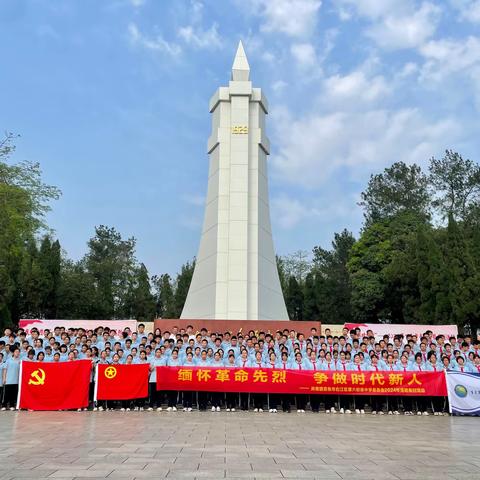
[236,326]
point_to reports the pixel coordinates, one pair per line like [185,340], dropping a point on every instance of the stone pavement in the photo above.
[174,445]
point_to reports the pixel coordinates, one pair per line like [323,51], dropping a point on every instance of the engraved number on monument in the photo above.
[239,129]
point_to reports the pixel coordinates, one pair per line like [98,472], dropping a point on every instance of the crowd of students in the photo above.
[285,349]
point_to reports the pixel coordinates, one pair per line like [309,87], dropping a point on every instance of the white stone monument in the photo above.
[235,276]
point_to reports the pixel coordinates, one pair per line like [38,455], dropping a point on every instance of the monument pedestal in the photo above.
[235,326]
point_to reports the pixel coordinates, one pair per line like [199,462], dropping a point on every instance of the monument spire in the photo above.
[236,275]
[240,67]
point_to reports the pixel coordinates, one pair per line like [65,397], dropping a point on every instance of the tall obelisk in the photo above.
[235,276]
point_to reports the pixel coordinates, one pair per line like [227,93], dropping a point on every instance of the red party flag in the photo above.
[54,385]
[122,382]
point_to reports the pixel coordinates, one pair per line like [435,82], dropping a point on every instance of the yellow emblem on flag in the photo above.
[37,377]
[110,372]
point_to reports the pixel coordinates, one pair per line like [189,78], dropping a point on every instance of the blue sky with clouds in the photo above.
[111,97]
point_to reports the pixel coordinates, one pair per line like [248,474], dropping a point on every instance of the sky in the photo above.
[111,97]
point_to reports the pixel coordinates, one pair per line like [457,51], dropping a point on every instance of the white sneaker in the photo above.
[419,412]
[381,413]
[141,409]
[100,409]
[275,410]
[218,409]
[396,412]
[189,409]
[327,410]
[78,409]
[95,409]
[374,412]
[260,410]
[3,409]
[357,411]
[159,409]
[174,409]
[227,409]
[426,413]
[332,410]
[362,411]
[348,411]
[213,409]
[255,409]
[233,410]
[270,410]
[150,409]
[390,412]
[127,409]
[135,409]
[342,410]
[185,409]
[169,409]
[122,409]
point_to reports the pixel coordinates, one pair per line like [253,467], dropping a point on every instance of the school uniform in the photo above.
[285,397]
[12,367]
[301,400]
[202,397]
[315,399]
[172,395]
[244,396]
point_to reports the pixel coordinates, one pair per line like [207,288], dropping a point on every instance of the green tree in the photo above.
[24,201]
[464,280]
[457,184]
[165,298]
[399,189]
[310,307]
[332,279]
[433,281]
[182,284]
[111,262]
[76,290]
[142,301]
[294,299]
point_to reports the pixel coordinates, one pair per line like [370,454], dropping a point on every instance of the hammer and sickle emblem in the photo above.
[37,377]
[110,372]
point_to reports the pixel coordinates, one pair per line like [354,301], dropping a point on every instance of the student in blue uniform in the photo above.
[155,396]
[231,397]
[216,397]
[258,398]
[188,394]
[298,364]
[422,402]
[172,395]
[11,374]
[2,367]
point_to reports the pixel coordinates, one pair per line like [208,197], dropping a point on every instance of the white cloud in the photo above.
[157,43]
[469,9]
[445,57]
[304,54]
[354,89]
[406,31]
[395,24]
[194,35]
[137,3]
[315,147]
[288,211]
[295,18]
[279,86]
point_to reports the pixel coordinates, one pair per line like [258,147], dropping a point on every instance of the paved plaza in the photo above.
[68,445]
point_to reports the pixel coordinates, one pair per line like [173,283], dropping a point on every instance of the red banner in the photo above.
[122,382]
[54,386]
[257,380]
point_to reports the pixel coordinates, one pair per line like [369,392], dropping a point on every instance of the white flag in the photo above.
[464,393]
